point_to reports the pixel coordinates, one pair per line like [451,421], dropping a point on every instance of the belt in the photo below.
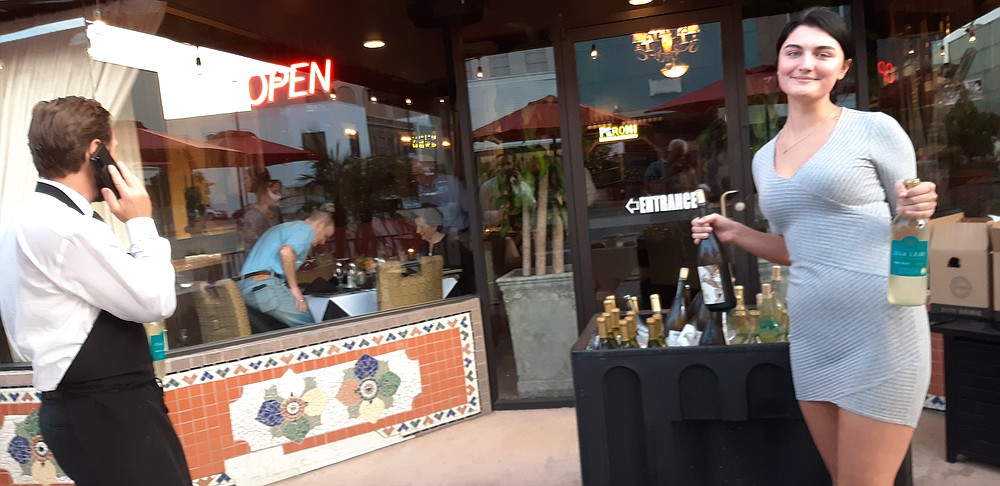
[260,275]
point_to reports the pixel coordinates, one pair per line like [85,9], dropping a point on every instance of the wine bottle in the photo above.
[654,304]
[641,330]
[713,268]
[607,341]
[779,289]
[156,336]
[753,323]
[615,324]
[908,262]
[655,323]
[699,321]
[677,317]
[769,328]
[713,335]
[628,338]
[737,327]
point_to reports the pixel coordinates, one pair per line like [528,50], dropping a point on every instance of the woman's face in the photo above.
[810,63]
[424,230]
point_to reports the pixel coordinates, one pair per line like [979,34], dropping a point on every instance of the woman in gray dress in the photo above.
[829,184]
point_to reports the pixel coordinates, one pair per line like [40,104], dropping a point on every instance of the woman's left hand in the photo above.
[919,202]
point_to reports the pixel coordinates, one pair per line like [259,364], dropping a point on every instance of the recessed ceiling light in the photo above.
[639,2]
[409,101]
[374,43]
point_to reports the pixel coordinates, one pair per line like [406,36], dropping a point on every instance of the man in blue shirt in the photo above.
[268,282]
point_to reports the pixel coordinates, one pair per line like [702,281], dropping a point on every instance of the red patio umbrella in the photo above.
[159,148]
[256,148]
[760,80]
[539,119]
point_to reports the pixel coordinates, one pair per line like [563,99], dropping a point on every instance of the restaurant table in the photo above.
[356,302]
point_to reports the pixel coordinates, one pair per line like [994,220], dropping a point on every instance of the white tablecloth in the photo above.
[361,301]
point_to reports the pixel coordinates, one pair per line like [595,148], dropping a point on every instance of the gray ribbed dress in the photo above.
[848,345]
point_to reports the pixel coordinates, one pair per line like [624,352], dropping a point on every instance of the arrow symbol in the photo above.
[632,205]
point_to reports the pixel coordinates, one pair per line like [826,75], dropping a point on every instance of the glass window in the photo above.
[240,152]
[935,72]
[518,149]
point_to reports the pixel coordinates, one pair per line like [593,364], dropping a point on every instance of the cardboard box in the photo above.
[960,268]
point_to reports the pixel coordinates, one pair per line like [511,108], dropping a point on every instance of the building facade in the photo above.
[611,113]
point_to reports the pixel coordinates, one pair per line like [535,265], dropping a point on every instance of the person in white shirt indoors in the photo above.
[72,300]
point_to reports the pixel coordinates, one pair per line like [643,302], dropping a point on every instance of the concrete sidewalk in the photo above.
[539,447]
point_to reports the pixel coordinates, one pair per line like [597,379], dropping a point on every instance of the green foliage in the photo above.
[357,185]
[517,176]
[969,130]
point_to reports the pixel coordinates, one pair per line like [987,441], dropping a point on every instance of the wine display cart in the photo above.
[709,415]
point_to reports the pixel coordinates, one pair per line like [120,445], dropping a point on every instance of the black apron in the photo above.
[106,422]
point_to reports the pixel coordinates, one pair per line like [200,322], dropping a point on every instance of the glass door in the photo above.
[658,119]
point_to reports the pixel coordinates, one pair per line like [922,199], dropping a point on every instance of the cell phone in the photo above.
[101,159]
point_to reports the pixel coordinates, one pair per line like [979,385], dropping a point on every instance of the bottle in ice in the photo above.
[607,341]
[677,317]
[655,323]
[628,338]
[713,334]
[713,268]
[780,292]
[738,326]
[641,331]
[769,329]
[908,259]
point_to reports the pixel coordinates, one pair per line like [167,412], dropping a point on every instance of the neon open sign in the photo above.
[299,80]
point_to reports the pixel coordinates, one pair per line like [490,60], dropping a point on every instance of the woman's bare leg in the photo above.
[869,451]
[822,418]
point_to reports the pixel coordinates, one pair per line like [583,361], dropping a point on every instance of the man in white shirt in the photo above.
[72,299]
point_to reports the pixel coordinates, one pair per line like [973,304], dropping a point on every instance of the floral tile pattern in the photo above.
[26,456]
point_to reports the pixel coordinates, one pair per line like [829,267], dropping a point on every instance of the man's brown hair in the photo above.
[61,131]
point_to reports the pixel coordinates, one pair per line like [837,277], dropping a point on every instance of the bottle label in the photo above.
[158,346]
[909,257]
[710,277]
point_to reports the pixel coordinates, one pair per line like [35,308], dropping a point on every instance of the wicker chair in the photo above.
[396,289]
[221,312]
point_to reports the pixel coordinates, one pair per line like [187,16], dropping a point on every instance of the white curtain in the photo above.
[54,65]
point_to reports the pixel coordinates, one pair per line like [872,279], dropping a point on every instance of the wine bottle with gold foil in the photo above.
[713,268]
[641,330]
[615,324]
[628,338]
[607,340]
[655,324]
[737,326]
[908,260]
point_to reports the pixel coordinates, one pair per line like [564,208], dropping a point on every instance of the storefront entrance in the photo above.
[656,122]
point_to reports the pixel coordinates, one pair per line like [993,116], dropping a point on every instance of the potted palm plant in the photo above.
[539,296]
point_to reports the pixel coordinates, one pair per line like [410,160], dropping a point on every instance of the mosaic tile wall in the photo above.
[257,420]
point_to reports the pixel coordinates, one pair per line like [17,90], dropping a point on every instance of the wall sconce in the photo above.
[674,70]
[479,72]
[593,51]
[971,29]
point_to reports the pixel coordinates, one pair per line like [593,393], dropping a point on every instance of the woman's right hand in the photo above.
[724,228]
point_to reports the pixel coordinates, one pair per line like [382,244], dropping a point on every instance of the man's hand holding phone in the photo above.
[129,198]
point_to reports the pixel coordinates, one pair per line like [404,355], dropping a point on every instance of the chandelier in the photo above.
[665,46]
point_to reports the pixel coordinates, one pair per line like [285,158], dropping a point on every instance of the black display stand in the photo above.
[693,416]
[971,389]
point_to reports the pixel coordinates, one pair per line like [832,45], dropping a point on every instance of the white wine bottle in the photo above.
[607,341]
[713,269]
[641,330]
[655,323]
[737,326]
[769,328]
[677,317]
[908,261]
[156,334]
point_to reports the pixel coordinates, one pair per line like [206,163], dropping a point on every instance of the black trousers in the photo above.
[112,438]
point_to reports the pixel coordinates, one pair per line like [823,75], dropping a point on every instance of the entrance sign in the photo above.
[625,131]
[662,203]
[300,79]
